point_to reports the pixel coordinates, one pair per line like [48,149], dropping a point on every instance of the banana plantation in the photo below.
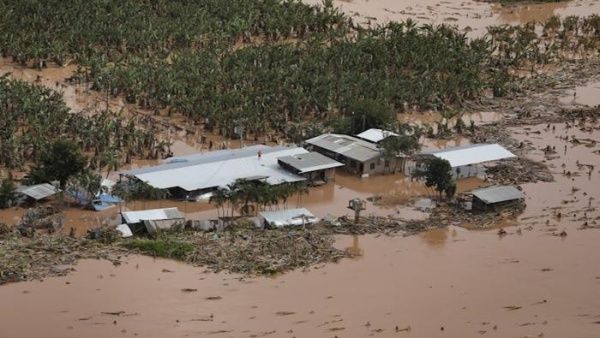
[265,65]
[32,117]
[262,64]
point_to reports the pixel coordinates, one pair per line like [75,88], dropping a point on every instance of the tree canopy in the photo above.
[7,193]
[60,162]
[439,176]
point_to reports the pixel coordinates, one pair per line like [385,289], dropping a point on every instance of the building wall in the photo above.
[325,175]
[457,172]
[367,168]
[381,166]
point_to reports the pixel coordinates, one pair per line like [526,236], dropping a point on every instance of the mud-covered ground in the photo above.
[539,278]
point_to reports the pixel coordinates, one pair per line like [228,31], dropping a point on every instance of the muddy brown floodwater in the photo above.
[475,15]
[396,191]
[588,95]
[449,282]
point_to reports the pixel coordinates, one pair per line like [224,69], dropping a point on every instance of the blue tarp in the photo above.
[106,198]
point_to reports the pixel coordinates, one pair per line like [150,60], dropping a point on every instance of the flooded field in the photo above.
[472,16]
[588,95]
[540,279]
[448,282]
[394,193]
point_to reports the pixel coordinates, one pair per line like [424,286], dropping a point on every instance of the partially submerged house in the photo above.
[195,175]
[153,220]
[359,156]
[375,135]
[38,192]
[465,161]
[288,217]
[496,196]
[315,167]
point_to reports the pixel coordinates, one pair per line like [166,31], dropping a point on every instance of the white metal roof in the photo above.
[132,217]
[498,194]
[348,146]
[221,169]
[289,217]
[39,191]
[375,135]
[473,154]
[309,162]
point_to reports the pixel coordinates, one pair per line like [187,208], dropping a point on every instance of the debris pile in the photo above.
[44,255]
[382,225]
[455,214]
[246,249]
[42,217]
[518,171]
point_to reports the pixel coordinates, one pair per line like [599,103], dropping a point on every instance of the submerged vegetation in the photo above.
[261,64]
[269,64]
[32,117]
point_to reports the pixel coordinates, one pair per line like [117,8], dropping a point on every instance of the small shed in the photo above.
[39,191]
[281,218]
[154,219]
[491,197]
[375,135]
[313,166]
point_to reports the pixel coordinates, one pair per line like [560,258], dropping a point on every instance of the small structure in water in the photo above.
[315,167]
[359,156]
[497,196]
[153,220]
[465,161]
[288,217]
[38,192]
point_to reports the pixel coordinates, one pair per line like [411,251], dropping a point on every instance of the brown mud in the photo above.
[471,16]
[539,279]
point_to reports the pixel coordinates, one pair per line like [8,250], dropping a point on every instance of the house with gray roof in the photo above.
[358,156]
[315,167]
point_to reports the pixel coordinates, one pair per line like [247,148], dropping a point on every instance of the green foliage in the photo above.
[397,145]
[251,196]
[369,113]
[31,116]
[134,189]
[162,246]
[439,176]
[233,62]
[60,162]
[88,181]
[8,193]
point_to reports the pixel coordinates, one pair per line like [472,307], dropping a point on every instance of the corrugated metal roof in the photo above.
[376,135]
[289,217]
[221,169]
[132,217]
[472,154]
[498,194]
[203,158]
[347,146]
[308,162]
[39,191]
